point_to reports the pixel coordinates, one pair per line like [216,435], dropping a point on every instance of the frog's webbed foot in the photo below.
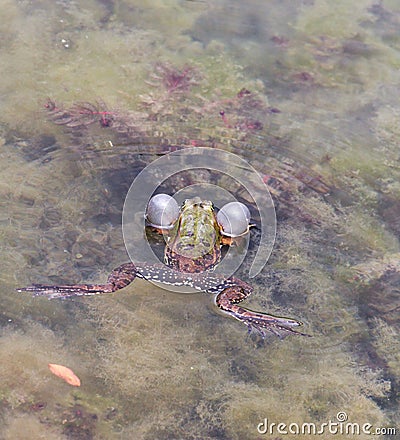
[260,322]
[118,279]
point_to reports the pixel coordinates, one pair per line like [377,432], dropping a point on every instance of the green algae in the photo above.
[336,20]
[208,375]
[29,392]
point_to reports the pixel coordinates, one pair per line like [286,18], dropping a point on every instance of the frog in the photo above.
[194,236]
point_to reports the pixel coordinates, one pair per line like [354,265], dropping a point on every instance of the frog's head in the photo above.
[196,203]
[163,214]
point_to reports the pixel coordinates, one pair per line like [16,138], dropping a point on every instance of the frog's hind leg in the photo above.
[260,322]
[118,279]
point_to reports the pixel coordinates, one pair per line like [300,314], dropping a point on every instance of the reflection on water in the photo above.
[306,92]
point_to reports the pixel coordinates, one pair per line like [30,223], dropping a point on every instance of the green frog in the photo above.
[195,235]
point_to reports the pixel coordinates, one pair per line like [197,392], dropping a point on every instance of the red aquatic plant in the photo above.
[279,40]
[173,79]
[80,114]
[244,112]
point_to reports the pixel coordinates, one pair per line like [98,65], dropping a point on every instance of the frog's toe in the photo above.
[262,324]
[62,291]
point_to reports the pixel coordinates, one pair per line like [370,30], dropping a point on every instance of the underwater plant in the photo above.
[173,79]
[80,114]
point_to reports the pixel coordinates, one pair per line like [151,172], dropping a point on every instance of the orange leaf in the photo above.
[65,373]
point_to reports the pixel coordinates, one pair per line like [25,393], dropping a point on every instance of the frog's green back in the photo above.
[194,243]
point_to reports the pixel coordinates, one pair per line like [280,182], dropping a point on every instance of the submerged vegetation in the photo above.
[155,364]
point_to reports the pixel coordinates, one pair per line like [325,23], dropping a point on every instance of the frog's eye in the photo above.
[234,219]
[162,211]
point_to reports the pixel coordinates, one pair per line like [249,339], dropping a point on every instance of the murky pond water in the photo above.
[305,91]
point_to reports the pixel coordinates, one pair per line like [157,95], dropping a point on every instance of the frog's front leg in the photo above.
[118,279]
[228,299]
